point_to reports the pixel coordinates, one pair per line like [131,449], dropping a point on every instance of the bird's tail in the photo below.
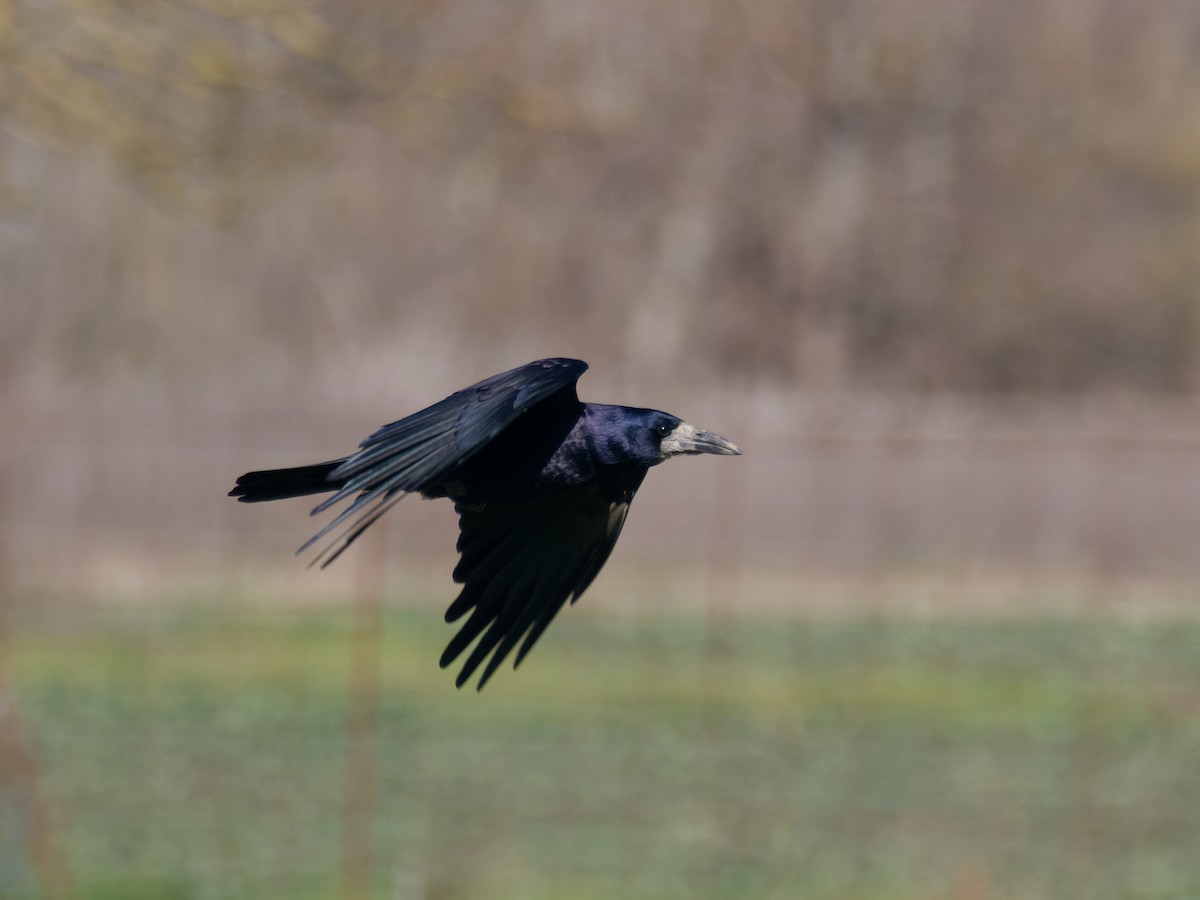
[279,484]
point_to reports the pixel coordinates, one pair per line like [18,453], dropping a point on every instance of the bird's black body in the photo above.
[541,483]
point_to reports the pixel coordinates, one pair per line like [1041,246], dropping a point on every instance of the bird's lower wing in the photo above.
[419,450]
[520,562]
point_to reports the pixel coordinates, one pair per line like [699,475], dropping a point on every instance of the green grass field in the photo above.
[201,754]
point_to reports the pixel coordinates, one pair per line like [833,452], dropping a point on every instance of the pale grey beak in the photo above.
[687,439]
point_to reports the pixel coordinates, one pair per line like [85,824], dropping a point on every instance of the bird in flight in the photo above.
[541,483]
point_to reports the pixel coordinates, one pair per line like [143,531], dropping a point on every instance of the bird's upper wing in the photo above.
[419,450]
[520,562]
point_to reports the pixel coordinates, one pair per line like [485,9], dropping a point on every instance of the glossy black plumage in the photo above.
[541,483]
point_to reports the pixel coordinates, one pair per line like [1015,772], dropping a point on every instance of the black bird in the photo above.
[540,481]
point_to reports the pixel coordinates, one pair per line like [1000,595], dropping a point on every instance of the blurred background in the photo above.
[934,266]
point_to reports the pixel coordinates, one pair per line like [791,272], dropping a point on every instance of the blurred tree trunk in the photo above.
[24,814]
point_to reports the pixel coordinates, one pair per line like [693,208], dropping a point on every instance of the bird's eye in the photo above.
[662,430]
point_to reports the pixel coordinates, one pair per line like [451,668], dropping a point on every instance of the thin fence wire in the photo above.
[131,499]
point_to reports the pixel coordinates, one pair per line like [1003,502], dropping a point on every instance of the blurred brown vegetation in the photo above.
[938,195]
[932,264]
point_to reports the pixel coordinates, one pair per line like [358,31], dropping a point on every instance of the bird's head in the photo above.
[676,438]
[650,436]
